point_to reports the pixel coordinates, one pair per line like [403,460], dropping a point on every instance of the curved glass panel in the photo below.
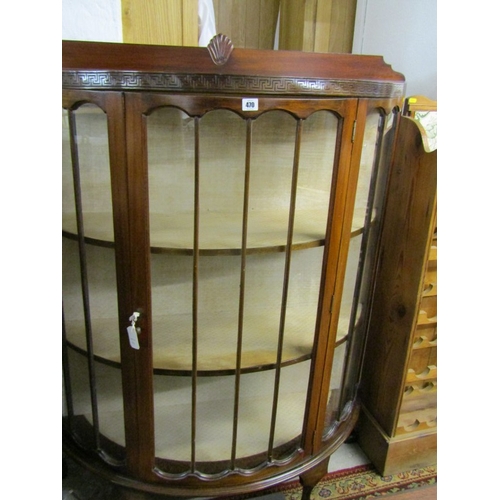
[90,306]
[171,178]
[91,143]
[356,293]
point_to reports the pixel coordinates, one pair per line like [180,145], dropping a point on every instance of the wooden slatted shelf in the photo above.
[430,372]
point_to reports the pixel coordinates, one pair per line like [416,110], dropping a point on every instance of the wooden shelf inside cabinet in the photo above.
[220,232]
[172,344]
[172,334]
[215,413]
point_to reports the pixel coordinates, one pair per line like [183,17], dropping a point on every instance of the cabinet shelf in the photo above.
[220,233]
[215,412]
[217,341]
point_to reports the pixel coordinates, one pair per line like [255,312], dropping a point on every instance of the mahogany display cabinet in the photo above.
[221,214]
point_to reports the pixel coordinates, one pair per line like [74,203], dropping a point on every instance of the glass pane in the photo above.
[334,407]
[317,155]
[217,333]
[356,292]
[89,277]
[215,414]
[351,309]
[172,417]
[261,291]
[93,159]
[222,179]
[361,208]
[171,178]
[292,402]
[273,143]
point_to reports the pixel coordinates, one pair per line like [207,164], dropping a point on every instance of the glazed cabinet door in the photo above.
[240,217]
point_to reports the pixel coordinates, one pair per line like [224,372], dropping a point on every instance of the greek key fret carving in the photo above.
[113,80]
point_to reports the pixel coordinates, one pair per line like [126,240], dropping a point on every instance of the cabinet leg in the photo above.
[312,477]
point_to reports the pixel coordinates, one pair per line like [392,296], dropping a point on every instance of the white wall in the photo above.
[404,32]
[92,20]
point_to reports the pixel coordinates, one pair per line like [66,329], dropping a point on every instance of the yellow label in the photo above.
[412,100]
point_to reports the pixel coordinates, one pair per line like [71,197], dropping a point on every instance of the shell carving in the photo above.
[220,48]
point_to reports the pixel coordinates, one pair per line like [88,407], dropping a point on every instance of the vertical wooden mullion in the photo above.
[244,234]
[286,278]
[137,365]
[196,252]
[84,275]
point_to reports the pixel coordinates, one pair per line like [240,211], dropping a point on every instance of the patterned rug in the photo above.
[360,483]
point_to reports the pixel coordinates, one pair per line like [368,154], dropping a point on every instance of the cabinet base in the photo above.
[310,470]
[393,455]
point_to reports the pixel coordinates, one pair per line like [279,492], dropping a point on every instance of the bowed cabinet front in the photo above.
[219,226]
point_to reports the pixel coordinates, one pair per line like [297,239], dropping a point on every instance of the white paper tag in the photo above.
[250,104]
[132,337]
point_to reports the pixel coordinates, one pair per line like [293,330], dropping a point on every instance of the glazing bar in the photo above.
[244,234]
[84,274]
[286,279]
[196,255]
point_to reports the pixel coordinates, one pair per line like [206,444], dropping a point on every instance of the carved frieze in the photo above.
[130,80]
